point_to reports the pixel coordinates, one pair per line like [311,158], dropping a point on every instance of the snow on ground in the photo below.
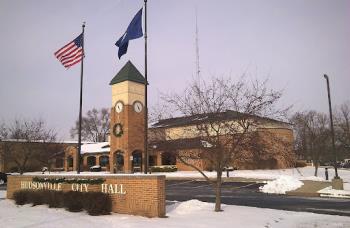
[191,214]
[328,191]
[281,185]
[305,173]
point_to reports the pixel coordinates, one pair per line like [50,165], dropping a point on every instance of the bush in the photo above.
[164,168]
[300,163]
[97,203]
[73,201]
[38,197]
[55,199]
[21,197]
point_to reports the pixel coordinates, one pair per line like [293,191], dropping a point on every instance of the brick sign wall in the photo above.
[131,194]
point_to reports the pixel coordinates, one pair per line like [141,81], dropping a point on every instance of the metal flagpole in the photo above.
[81,101]
[146,108]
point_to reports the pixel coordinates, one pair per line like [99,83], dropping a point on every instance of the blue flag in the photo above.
[133,31]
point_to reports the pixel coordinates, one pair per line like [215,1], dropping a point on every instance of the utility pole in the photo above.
[332,128]
[197,49]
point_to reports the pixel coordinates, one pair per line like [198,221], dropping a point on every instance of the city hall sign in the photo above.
[130,194]
[76,187]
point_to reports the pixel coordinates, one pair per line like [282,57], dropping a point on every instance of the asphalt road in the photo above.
[247,194]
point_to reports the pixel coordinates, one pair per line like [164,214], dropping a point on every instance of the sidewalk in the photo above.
[310,188]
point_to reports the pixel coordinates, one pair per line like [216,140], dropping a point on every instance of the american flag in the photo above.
[71,53]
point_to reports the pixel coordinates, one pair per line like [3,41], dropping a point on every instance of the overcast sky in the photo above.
[293,42]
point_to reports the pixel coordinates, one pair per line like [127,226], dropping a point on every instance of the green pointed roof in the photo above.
[128,73]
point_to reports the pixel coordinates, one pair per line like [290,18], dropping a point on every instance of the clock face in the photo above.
[138,106]
[119,107]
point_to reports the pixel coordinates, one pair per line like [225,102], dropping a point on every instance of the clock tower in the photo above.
[127,121]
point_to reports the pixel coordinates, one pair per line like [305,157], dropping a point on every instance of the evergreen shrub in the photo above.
[97,203]
[21,197]
[73,201]
[164,168]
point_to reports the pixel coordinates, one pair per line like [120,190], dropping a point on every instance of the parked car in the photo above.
[345,164]
[229,168]
[3,178]
[326,163]
[95,168]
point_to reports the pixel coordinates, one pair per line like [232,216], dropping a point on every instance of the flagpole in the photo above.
[81,101]
[146,108]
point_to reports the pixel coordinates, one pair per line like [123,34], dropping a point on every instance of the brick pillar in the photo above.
[143,161]
[2,162]
[75,157]
[159,158]
[111,162]
[97,159]
[85,166]
[127,162]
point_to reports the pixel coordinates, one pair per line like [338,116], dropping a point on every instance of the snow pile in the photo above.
[330,192]
[281,185]
[192,206]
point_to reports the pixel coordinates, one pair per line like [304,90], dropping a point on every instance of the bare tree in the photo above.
[26,140]
[3,131]
[94,127]
[342,129]
[313,136]
[226,136]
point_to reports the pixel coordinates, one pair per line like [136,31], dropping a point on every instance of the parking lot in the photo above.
[247,194]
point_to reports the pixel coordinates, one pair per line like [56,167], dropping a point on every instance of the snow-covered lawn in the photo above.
[190,214]
[305,173]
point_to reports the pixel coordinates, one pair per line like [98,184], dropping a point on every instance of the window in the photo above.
[70,161]
[104,161]
[168,158]
[91,161]
[152,160]
[137,161]
[119,161]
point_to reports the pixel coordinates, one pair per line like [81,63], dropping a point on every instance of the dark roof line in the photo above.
[200,118]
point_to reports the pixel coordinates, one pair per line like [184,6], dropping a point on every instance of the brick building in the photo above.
[177,136]
[92,154]
[40,154]
[125,151]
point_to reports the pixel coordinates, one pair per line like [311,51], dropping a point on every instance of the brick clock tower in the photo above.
[127,121]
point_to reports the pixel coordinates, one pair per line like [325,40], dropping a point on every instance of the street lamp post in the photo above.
[332,128]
